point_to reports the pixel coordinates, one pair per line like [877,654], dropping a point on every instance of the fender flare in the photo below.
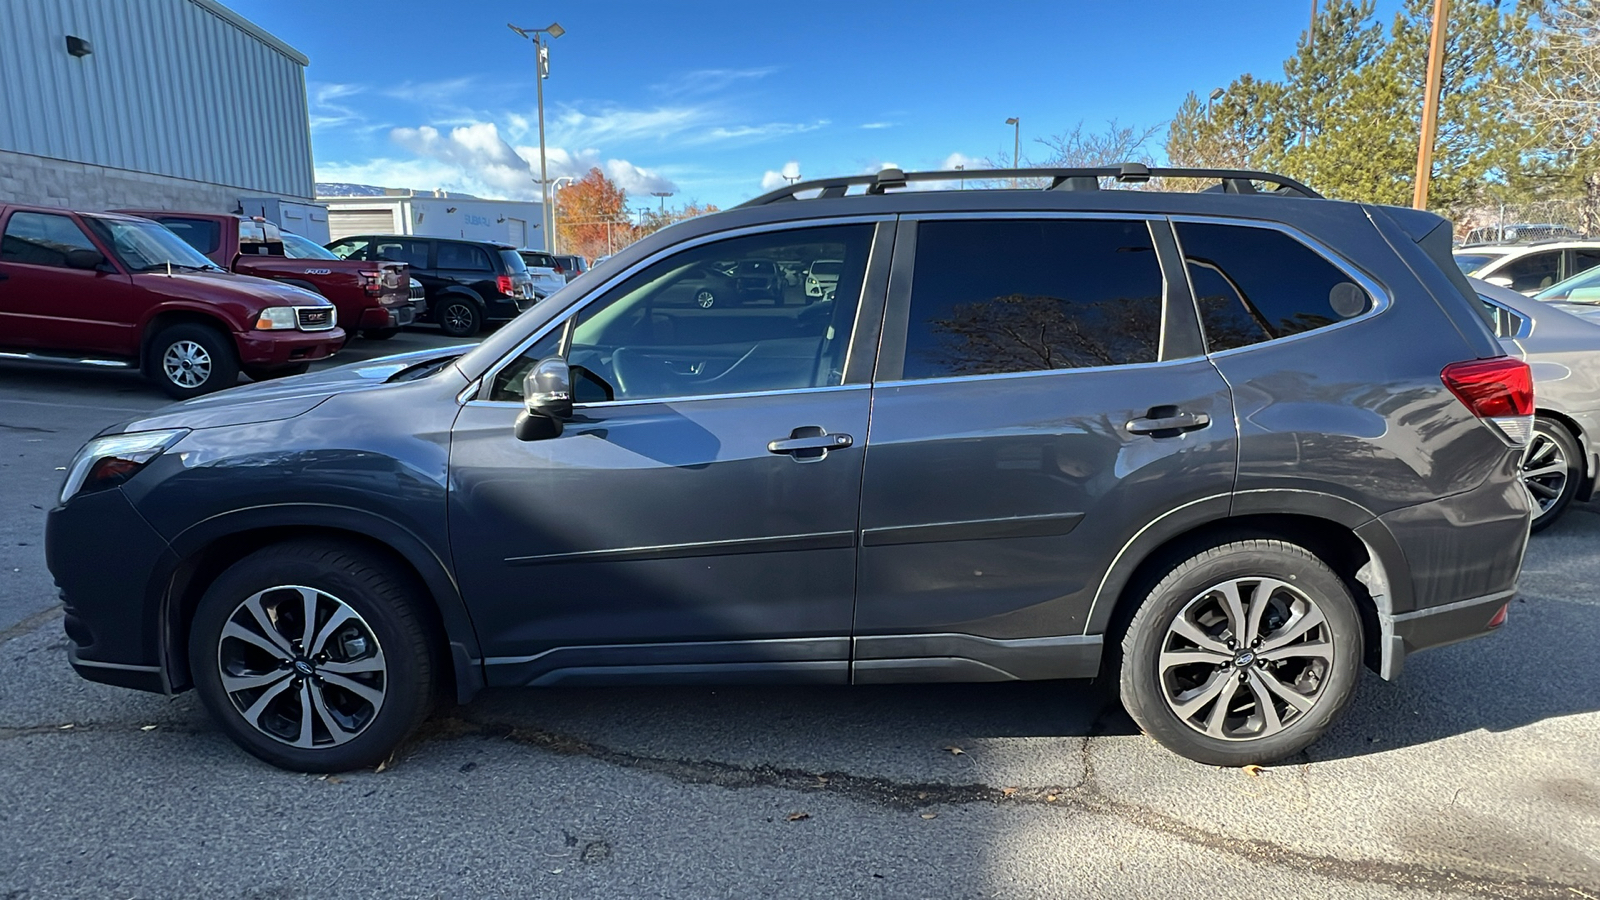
[437,576]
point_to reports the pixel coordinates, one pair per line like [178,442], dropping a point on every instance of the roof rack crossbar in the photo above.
[1231,181]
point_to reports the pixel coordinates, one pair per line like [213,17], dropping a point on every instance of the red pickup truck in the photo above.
[372,297]
[112,291]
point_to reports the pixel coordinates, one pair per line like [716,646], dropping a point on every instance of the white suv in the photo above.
[1528,268]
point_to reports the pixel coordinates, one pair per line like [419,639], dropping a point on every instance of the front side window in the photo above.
[1016,295]
[412,253]
[463,257]
[42,239]
[1533,272]
[1257,284]
[686,326]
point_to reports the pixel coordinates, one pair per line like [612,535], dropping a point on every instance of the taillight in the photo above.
[503,283]
[1499,391]
[370,283]
[1499,617]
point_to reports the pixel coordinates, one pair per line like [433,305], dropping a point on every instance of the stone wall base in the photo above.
[40,181]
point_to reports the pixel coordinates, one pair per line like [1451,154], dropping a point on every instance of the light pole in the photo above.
[1216,94]
[663,195]
[1430,105]
[1016,145]
[553,192]
[536,35]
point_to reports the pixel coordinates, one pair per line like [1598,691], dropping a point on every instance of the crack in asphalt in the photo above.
[1087,798]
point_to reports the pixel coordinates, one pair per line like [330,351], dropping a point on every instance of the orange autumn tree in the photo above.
[592,217]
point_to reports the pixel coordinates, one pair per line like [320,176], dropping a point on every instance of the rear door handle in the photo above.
[809,442]
[1168,420]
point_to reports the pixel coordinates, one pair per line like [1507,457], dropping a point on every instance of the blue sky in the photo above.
[709,100]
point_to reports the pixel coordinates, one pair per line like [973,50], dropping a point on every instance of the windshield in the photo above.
[297,247]
[1472,262]
[1581,288]
[826,267]
[145,246]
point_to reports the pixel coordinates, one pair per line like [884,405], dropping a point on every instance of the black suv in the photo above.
[468,284]
[1222,448]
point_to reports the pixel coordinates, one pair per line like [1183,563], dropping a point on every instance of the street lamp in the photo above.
[553,191]
[1216,94]
[663,195]
[1016,145]
[537,35]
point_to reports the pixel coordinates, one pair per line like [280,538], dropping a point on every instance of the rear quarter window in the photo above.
[512,261]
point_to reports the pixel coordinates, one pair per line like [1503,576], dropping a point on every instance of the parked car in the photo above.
[1561,343]
[115,291]
[821,276]
[468,284]
[570,265]
[758,278]
[1582,288]
[1221,449]
[371,297]
[1519,231]
[1528,268]
[543,269]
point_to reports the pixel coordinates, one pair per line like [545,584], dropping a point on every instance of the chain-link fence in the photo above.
[1527,221]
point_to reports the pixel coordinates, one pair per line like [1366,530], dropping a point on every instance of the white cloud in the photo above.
[873,126]
[963,161]
[325,110]
[636,180]
[476,151]
[771,181]
[705,81]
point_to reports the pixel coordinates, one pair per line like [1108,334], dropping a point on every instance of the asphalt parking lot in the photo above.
[1476,775]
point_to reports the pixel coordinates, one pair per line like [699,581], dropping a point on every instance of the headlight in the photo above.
[109,461]
[274,318]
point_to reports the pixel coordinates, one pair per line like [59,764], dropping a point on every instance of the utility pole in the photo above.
[1016,145]
[1430,105]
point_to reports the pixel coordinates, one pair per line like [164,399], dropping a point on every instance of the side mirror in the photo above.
[1499,281]
[81,258]
[547,398]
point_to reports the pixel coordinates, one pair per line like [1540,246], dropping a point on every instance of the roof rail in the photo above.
[1229,181]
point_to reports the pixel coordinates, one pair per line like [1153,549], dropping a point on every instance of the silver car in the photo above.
[1561,343]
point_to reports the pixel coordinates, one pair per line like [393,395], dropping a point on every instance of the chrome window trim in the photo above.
[1381,299]
[599,290]
[1031,214]
[644,401]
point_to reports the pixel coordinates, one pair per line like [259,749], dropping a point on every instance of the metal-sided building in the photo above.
[514,222]
[161,104]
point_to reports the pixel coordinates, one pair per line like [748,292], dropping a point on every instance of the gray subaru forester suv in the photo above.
[1222,448]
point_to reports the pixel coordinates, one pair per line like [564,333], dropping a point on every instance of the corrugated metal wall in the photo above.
[171,88]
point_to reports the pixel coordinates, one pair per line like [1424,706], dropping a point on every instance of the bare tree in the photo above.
[1116,144]
[1561,96]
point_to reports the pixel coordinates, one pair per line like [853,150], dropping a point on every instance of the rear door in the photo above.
[467,265]
[1030,415]
[48,305]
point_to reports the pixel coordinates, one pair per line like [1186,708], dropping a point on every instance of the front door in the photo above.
[699,514]
[48,305]
[1030,416]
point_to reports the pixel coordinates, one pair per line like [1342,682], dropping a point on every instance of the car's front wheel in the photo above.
[190,359]
[1244,653]
[314,656]
[1552,468]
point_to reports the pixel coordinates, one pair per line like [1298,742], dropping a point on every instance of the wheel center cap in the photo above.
[304,668]
[1244,658]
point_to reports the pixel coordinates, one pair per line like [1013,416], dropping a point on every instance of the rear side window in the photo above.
[1583,260]
[412,253]
[1047,294]
[42,239]
[351,248]
[1533,272]
[1257,284]
[464,257]
[202,234]
[510,260]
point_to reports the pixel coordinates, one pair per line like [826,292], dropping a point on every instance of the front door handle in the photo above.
[1167,421]
[809,442]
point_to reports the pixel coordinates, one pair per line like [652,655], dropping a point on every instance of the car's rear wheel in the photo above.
[313,656]
[1244,653]
[459,317]
[1552,468]
[191,359]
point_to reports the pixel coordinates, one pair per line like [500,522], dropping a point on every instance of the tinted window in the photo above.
[1048,295]
[1472,262]
[1255,284]
[463,256]
[509,260]
[541,260]
[686,327]
[1583,260]
[412,253]
[202,234]
[41,239]
[1533,272]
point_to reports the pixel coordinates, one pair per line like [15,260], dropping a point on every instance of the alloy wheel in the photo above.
[1545,470]
[458,317]
[302,667]
[186,363]
[1246,659]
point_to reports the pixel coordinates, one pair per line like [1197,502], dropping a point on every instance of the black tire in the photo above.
[458,316]
[1552,470]
[255,374]
[389,628]
[380,334]
[190,359]
[1152,695]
